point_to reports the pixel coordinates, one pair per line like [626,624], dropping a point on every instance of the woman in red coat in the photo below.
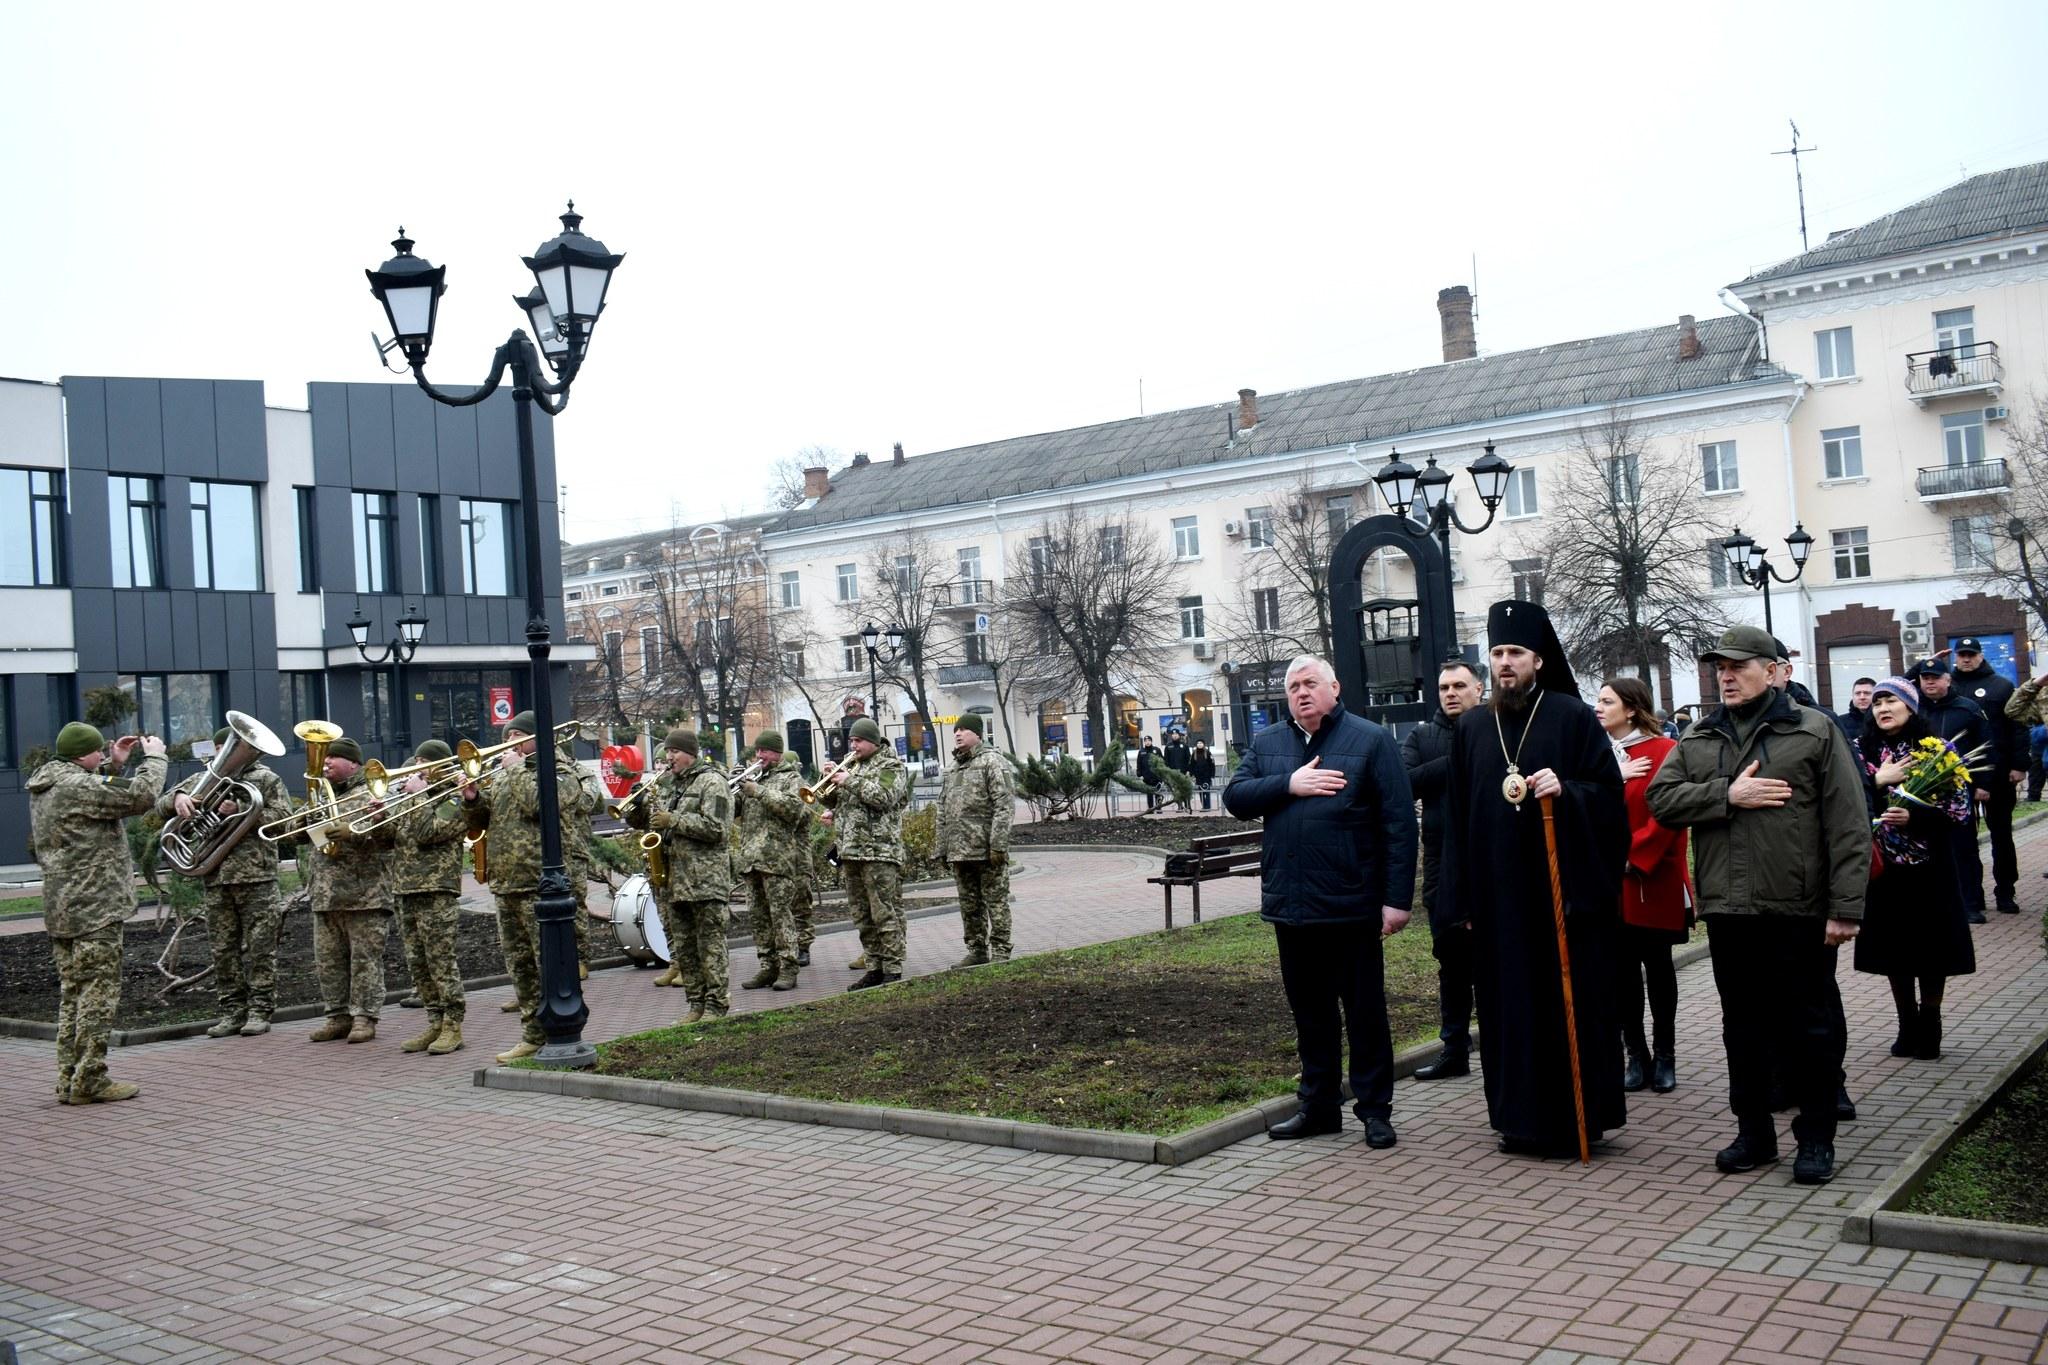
[1656,893]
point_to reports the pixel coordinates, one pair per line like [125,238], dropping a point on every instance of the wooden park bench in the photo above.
[1209,858]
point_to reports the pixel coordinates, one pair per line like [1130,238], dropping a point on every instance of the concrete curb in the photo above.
[1880,1221]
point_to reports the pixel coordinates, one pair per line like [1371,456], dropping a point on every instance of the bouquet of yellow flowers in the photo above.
[1934,773]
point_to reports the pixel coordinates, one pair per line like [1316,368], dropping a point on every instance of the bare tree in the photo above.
[1008,648]
[1098,594]
[709,596]
[1281,605]
[1624,550]
[907,582]
[2017,549]
[605,689]
[786,475]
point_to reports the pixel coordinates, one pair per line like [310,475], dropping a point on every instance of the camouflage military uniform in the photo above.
[351,886]
[243,912]
[975,807]
[774,857]
[76,834]
[867,817]
[696,842]
[806,906]
[576,837]
[510,809]
[427,878]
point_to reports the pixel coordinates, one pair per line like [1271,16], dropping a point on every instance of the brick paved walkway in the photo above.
[271,1200]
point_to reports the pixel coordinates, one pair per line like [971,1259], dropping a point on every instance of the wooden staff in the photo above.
[1564,967]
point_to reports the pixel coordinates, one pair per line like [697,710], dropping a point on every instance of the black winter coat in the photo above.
[1426,754]
[1989,689]
[1964,725]
[1329,859]
[1202,767]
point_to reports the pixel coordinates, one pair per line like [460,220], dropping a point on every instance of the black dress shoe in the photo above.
[1747,1153]
[2007,905]
[1450,1062]
[1976,917]
[803,957]
[1379,1134]
[1927,1046]
[1815,1164]
[1306,1125]
[1845,1108]
[1664,1074]
[1632,1075]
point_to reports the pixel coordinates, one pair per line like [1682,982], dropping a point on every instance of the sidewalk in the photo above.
[266,1199]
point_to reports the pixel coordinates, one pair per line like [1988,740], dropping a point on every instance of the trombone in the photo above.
[320,798]
[444,776]
[809,795]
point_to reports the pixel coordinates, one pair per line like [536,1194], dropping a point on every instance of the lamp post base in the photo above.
[576,1056]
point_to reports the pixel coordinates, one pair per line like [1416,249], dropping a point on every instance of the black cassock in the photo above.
[1496,875]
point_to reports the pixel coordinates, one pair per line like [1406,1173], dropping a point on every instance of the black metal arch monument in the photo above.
[1388,648]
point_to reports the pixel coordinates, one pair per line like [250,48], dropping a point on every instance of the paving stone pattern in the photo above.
[270,1200]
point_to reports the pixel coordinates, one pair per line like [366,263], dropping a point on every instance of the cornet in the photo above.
[809,795]
[751,773]
[320,799]
[444,776]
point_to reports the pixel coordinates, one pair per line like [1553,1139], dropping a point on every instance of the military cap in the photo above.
[769,739]
[523,723]
[78,739]
[220,737]
[865,729]
[1930,668]
[1738,643]
[681,741]
[346,748]
[432,751]
[970,721]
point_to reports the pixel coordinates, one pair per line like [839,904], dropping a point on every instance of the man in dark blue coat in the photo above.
[1960,721]
[1976,680]
[1426,753]
[1338,874]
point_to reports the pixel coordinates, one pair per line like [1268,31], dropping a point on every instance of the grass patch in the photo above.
[1155,1034]
[1994,1174]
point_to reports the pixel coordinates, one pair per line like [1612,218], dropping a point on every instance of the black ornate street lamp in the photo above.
[870,636]
[412,628]
[1749,561]
[1424,496]
[572,273]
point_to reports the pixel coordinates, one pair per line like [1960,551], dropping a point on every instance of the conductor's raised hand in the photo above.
[1758,793]
[152,746]
[1313,779]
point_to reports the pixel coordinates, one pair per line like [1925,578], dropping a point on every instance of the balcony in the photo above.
[964,675]
[1957,370]
[964,594]
[1943,482]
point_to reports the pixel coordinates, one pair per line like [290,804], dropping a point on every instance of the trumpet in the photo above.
[320,799]
[751,773]
[809,795]
[444,777]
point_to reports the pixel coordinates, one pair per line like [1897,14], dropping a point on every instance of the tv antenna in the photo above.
[1799,179]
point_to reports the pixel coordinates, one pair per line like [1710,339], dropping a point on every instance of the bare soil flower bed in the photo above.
[1155,831]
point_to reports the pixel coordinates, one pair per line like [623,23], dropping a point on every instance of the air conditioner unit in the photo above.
[1997,414]
[1233,528]
[1917,639]
[1916,618]
[1204,650]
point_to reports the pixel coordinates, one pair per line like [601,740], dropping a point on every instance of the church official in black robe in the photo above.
[1536,739]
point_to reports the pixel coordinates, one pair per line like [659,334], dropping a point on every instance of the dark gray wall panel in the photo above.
[497,451]
[455,442]
[177,496]
[85,422]
[135,430]
[329,406]
[129,635]
[412,432]
[92,611]
[337,542]
[212,648]
[91,564]
[188,432]
[159,626]
[478,626]
[241,435]
[373,461]
[263,634]
[241,693]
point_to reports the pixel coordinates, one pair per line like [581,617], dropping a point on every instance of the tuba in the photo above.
[195,845]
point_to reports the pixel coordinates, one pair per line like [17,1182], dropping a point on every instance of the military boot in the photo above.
[412,1001]
[672,977]
[583,971]
[229,1026]
[976,957]
[424,1040]
[108,1093]
[695,1016]
[765,977]
[363,1030]
[859,964]
[510,1006]
[449,1040]
[516,1051]
[258,1025]
[335,1027]
[803,956]
[785,976]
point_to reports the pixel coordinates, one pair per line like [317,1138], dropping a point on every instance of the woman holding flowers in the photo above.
[1914,930]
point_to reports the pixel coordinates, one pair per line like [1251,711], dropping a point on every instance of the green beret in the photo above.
[432,751]
[523,723]
[865,729]
[78,739]
[769,739]
[970,721]
[681,741]
[346,748]
[220,737]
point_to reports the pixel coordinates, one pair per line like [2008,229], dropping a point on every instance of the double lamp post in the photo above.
[1423,496]
[571,272]
[1749,562]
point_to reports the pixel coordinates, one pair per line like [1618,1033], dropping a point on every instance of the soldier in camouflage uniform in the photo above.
[692,813]
[350,878]
[773,856]
[577,833]
[511,811]
[76,833]
[426,876]
[866,799]
[243,912]
[975,806]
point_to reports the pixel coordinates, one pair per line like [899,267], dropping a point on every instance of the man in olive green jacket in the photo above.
[693,814]
[975,808]
[1781,860]
[865,797]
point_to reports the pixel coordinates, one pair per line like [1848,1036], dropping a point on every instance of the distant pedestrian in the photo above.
[1176,751]
[1856,719]
[1426,753]
[1337,875]
[1202,768]
[1149,766]
[2029,707]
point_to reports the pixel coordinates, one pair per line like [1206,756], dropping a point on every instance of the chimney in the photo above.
[1247,409]
[1689,347]
[860,457]
[817,481]
[1454,307]
[897,458]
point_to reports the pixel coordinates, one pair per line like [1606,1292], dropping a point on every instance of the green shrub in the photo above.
[1180,788]
[609,854]
[37,757]
[1064,787]
[106,707]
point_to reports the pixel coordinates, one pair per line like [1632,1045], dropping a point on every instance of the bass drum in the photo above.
[638,924]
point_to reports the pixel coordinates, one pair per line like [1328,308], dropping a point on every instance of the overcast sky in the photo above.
[847,226]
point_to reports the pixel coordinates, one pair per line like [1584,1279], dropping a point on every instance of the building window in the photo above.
[1111,545]
[182,707]
[1528,580]
[650,651]
[1836,353]
[1852,552]
[906,574]
[7,749]
[1521,499]
[967,562]
[1266,609]
[792,659]
[1192,626]
[377,709]
[792,588]
[1258,528]
[1971,539]
[301,696]
[1955,328]
[1718,573]
[1625,479]
[1337,509]
[1187,538]
[431,580]
[644,585]
[1841,452]
[1962,437]
[373,523]
[615,653]
[135,521]
[227,538]
[1718,469]
[31,551]
[1040,549]
[849,582]
[973,646]
[309,539]
[486,548]
[850,653]
[609,590]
